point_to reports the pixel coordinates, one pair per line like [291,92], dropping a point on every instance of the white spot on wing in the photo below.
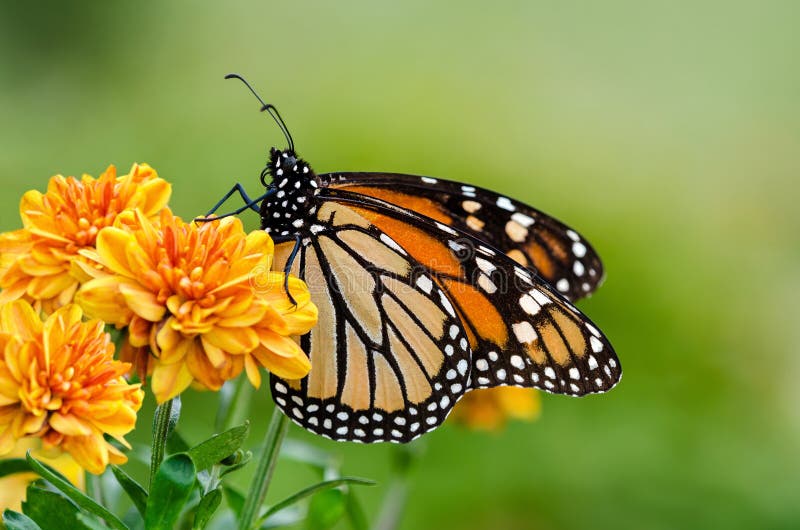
[540,297]
[529,305]
[487,284]
[524,332]
[429,180]
[446,228]
[471,206]
[425,283]
[392,244]
[521,218]
[505,203]
[485,265]
[447,305]
[516,232]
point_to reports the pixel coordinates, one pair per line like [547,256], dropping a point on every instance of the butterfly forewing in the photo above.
[389,355]
[534,239]
[520,330]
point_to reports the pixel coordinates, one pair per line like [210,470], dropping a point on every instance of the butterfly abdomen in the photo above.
[285,211]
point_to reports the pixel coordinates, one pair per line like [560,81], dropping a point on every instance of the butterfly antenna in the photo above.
[269,108]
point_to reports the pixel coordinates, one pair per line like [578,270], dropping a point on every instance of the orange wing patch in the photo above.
[541,259]
[414,203]
[422,247]
[479,312]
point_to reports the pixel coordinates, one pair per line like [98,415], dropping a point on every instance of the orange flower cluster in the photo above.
[59,382]
[490,408]
[198,302]
[38,262]
[201,297]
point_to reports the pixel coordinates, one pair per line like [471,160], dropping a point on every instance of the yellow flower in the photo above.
[38,262]
[201,297]
[13,487]
[59,382]
[488,409]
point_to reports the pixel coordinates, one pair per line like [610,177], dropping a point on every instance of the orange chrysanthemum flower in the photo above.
[201,297]
[59,382]
[488,409]
[38,262]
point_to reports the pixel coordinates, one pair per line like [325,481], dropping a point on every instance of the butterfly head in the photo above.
[293,188]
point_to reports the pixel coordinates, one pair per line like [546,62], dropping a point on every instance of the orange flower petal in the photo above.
[253,371]
[169,380]
[91,452]
[101,298]
[142,302]
[233,340]
[112,244]
[282,356]
[19,318]
[69,425]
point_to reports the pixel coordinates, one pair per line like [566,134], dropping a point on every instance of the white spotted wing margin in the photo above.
[548,344]
[529,236]
[389,356]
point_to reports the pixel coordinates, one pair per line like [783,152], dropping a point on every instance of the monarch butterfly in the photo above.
[426,289]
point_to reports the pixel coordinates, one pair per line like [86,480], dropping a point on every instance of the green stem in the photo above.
[266,459]
[161,430]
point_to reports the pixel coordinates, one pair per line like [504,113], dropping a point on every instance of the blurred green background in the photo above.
[667,133]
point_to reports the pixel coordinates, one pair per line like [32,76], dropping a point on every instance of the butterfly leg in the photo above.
[249,203]
[288,267]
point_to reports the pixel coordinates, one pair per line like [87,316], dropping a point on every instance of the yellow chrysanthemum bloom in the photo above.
[201,297]
[59,382]
[13,487]
[38,262]
[488,409]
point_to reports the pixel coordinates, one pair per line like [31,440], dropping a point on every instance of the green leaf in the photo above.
[10,466]
[206,508]
[135,491]
[219,446]
[325,509]
[50,508]
[90,521]
[311,490]
[19,521]
[73,493]
[171,489]
[235,500]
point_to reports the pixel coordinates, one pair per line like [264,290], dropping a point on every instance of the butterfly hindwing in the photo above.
[389,354]
[532,238]
[521,331]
